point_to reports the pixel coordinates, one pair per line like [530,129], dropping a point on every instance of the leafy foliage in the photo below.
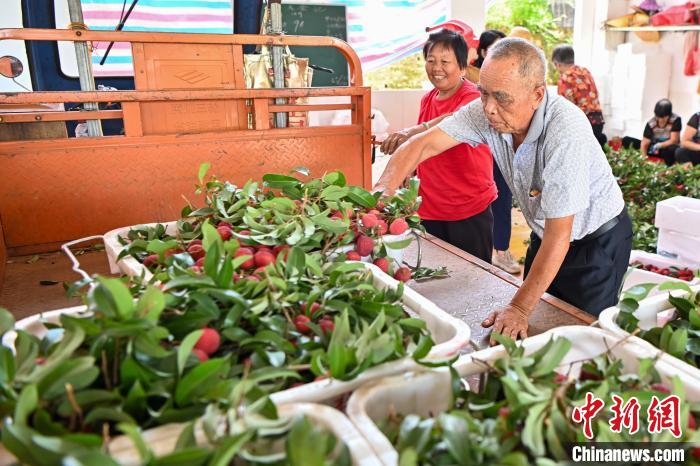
[535,15]
[322,214]
[407,73]
[645,183]
[523,414]
[679,336]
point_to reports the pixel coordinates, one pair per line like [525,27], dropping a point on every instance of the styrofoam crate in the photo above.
[429,393]
[450,335]
[162,439]
[131,267]
[651,312]
[679,246]
[636,276]
[680,214]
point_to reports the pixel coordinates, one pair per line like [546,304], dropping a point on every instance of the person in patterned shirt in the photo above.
[577,85]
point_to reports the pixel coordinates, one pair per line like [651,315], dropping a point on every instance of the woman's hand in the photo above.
[395,140]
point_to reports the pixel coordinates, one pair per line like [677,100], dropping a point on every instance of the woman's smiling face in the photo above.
[443,69]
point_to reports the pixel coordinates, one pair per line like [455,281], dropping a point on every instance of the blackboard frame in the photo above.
[326,57]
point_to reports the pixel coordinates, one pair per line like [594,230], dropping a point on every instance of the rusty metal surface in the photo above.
[79,188]
[355,72]
[474,288]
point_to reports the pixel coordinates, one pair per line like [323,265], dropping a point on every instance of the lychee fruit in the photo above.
[403,274]
[398,226]
[209,341]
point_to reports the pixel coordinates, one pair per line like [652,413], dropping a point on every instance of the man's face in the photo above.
[509,100]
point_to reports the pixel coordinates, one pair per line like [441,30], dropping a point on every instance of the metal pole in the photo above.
[82,55]
[278,58]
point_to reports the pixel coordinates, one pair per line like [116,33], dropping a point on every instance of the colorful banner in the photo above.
[381,32]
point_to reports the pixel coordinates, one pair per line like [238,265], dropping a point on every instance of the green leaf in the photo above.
[404,243]
[425,344]
[328,224]
[675,286]
[228,448]
[338,359]
[7,321]
[199,379]
[333,193]
[134,434]
[203,169]
[683,305]
[335,178]
[185,349]
[186,439]
[280,181]
[210,237]
[639,292]
[455,431]
[192,456]
[532,435]
[26,404]
[73,337]
[151,304]
[361,197]
[159,247]
[678,342]
[560,348]
[120,296]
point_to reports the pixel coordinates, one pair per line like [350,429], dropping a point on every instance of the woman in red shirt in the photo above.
[457,186]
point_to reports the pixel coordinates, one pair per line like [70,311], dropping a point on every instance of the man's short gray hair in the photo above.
[532,62]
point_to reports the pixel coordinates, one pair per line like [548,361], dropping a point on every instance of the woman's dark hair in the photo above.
[663,108]
[486,40]
[563,54]
[449,40]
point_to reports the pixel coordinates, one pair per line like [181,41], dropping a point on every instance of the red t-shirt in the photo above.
[457,183]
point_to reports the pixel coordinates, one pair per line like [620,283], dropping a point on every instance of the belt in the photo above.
[604,228]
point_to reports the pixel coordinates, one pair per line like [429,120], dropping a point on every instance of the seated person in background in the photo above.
[662,133]
[576,84]
[457,186]
[690,142]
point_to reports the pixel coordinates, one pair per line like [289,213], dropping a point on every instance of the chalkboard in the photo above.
[319,20]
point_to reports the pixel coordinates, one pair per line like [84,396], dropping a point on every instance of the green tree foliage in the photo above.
[408,73]
[535,15]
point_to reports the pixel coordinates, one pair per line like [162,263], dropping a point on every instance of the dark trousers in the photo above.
[667,153]
[501,208]
[628,142]
[592,272]
[472,234]
[599,135]
[684,155]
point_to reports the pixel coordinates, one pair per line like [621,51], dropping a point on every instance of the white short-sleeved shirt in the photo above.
[558,170]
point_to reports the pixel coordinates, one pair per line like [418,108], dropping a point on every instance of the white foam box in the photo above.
[162,439]
[450,335]
[637,276]
[652,312]
[131,267]
[429,393]
[680,214]
[685,248]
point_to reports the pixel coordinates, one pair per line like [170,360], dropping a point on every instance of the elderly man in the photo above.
[545,148]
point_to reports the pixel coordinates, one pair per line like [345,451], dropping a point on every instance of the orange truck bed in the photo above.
[56,190]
